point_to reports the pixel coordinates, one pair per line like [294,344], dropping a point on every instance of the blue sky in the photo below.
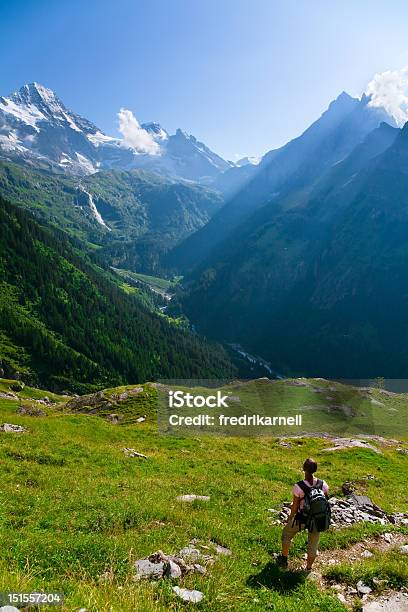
[244,76]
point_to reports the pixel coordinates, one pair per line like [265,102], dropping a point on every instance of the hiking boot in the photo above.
[282,562]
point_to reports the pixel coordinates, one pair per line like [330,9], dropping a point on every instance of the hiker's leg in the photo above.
[288,533]
[312,544]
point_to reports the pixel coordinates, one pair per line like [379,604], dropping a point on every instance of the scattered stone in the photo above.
[404,549]
[362,588]
[354,509]
[172,570]
[11,428]
[387,537]
[286,444]
[114,418]
[9,609]
[192,497]
[337,587]
[341,598]
[91,403]
[131,452]
[200,569]
[186,595]
[146,569]
[403,451]
[313,576]
[367,554]
[190,554]
[31,411]
[141,419]
[221,550]
[8,396]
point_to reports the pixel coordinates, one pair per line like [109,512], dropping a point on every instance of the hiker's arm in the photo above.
[295,505]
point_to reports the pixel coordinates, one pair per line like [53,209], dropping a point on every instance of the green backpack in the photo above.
[316,512]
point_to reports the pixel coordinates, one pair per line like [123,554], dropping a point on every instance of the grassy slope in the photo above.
[75,324]
[73,506]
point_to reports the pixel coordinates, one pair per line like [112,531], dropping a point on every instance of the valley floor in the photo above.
[77,512]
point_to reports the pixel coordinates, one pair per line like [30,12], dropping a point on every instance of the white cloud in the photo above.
[134,135]
[389,90]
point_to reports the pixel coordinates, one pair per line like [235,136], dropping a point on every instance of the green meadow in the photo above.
[76,512]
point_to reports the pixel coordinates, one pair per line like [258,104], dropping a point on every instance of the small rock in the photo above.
[186,595]
[341,598]
[131,452]
[190,554]
[31,411]
[367,554]
[114,418]
[11,428]
[200,569]
[404,549]
[221,550]
[313,576]
[362,588]
[8,396]
[172,570]
[141,419]
[388,537]
[192,497]
[147,569]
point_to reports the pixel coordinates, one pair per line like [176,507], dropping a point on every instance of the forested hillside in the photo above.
[66,323]
[132,217]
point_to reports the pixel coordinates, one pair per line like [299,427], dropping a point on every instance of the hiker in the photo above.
[310,510]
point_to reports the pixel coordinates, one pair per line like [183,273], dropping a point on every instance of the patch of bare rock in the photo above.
[195,558]
[353,509]
[394,602]
[341,443]
[31,411]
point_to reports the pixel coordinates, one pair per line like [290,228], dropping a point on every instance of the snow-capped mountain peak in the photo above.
[157,131]
[37,128]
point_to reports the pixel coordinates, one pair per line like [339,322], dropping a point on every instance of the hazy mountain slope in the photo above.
[67,323]
[286,172]
[311,288]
